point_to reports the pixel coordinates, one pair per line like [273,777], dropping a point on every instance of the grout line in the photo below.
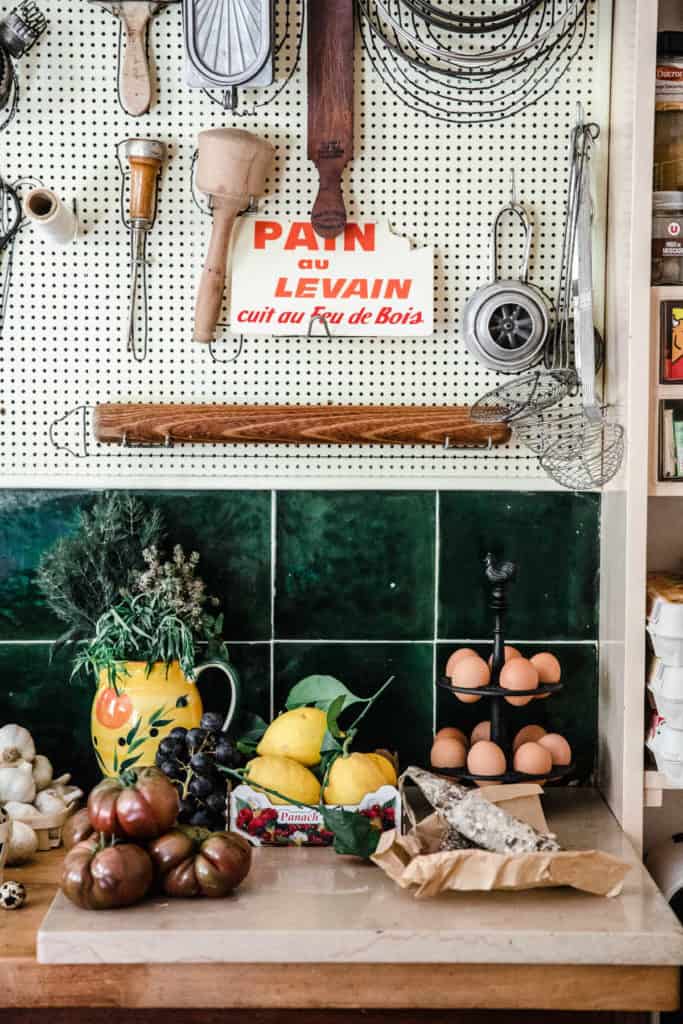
[360,640]
[273,576]
[437,556]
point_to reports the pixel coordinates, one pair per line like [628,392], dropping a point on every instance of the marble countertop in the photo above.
[311,906]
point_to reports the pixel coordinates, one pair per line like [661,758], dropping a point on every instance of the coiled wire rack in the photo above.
[474,68]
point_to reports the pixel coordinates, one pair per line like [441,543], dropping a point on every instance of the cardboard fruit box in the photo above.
[253,816]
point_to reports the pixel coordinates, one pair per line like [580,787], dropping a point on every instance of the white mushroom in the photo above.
[42,771]
[50,802]
[23,843]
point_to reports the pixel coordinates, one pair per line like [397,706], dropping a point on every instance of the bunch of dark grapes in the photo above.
[190,758]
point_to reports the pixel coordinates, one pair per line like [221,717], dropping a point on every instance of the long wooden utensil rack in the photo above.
[168,425]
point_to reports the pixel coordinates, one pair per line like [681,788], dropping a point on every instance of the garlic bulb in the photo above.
[42,771]
[23,843]
[21,812]
[50,802]
[16,783]
[16,744]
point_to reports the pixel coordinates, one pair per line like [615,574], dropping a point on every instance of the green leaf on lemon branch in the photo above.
[321,691]
[353,834]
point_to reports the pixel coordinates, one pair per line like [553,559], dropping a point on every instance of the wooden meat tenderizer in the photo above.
[136,83]
[232,169]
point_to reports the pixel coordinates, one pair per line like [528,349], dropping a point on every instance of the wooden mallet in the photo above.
[232,169]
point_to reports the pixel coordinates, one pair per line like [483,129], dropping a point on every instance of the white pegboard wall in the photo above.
[64,339]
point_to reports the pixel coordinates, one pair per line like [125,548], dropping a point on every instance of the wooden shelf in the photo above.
[656,785]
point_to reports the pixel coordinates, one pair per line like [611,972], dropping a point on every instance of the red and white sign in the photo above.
[367,281]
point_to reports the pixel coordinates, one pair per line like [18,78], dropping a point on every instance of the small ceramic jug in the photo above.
[131,716]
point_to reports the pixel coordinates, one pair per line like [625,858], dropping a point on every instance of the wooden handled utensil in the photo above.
[136,83]
[145,157]
[330,107]
[272,424]
[232,170]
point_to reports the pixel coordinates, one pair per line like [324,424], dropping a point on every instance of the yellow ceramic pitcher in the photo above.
[129,719]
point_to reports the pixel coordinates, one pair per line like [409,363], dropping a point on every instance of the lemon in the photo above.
[386,767]
[297,734]
[287,777]
[352,777]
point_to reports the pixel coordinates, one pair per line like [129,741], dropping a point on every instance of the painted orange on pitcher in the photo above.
[129,719]
[113,709]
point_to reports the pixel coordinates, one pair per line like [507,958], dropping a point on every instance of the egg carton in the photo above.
[666,745]
[665,683]
[665,618]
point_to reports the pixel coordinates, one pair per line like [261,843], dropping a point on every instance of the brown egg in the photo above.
[482,731]
[456,656]
[486,758]
[548,668]
[529,734]
[448,752]
[558,748]
[471,673]
[510,652]
[519,674]
[450,732]
[532,759]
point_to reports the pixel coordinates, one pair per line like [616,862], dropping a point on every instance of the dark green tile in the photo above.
[231,532]
[401,719]
[252,662]
[39,696]
[30,522]
[553,537]
[573,712]
[355,565]
[229,529]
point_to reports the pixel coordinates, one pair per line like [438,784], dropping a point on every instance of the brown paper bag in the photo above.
[417,860]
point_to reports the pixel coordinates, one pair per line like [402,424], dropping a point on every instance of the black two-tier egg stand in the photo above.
[499,575]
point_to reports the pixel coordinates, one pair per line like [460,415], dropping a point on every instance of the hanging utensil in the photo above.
[136,81]
[232,169]
[228,43]
[20,30]
[144,157]
[330,107]
[505,323]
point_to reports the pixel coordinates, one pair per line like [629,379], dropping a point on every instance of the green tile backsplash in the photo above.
[342,554]
[342,583]
[553,537]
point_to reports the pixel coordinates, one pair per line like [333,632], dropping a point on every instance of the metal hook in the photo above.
[522,214]
[323,321]
[83,410]
[448,447]
[232,359]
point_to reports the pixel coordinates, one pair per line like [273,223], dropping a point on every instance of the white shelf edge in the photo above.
[656,785]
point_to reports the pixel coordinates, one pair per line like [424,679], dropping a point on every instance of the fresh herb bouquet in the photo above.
[121,600]
[160,617]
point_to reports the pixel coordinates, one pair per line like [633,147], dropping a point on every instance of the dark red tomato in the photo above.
[98,878]
[141,805]
[194,862]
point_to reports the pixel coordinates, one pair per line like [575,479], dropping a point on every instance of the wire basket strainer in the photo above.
[577,452]
[531,392]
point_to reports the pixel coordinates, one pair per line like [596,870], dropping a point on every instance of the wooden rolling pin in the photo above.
[293,424]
